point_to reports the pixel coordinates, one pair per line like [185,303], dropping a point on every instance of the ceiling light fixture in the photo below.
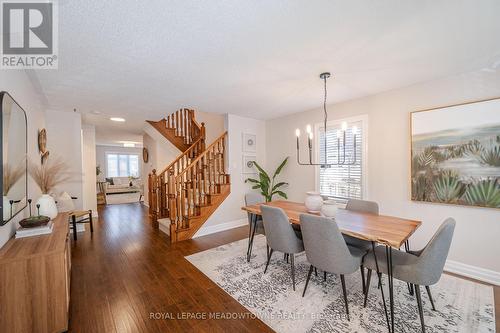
[117,119]
[340,134]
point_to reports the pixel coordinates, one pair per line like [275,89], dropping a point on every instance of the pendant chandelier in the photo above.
[342,158]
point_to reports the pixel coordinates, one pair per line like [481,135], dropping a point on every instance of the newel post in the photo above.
[153,197]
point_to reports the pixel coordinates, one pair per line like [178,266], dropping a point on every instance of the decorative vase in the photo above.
[313,202]
[47,206]
[329,208]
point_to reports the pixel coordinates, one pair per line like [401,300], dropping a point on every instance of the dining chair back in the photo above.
[362,206]
[279,233]
[325,247]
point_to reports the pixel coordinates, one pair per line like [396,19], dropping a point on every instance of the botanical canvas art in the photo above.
[455,154]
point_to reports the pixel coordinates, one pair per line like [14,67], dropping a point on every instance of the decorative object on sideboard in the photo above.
[329,208]
[34,221]
[248,164]
[342,158]
[145,155]
[249,142]
[267,186]
[47,176]
[313,202]
[455,154]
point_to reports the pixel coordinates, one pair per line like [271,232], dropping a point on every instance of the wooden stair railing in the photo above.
[198,191]
[180,128]
[159,205]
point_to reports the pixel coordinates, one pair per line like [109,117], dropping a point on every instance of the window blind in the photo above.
[341,181]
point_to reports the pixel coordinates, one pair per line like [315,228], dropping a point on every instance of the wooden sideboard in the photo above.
[35,281]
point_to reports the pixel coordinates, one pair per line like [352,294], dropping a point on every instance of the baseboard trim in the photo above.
[474,272]
[211,229]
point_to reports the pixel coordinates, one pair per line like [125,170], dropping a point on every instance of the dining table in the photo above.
[389,231]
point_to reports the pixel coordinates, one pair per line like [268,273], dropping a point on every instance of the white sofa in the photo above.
[122,185]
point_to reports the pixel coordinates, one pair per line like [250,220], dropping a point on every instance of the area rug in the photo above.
[462,306]
[121,198]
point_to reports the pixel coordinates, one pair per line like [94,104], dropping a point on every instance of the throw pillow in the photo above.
[110,181]
[65,203]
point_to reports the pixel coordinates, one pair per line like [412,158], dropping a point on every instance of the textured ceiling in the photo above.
[144,59]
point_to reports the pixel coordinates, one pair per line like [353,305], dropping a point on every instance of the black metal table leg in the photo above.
[253,226]
[388,253]
[381,288]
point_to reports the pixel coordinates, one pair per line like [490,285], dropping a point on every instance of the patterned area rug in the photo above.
[462,306]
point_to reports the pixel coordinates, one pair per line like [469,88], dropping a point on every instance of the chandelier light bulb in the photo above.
[297,132]
[355,130]
[344,126]
[310,135]
[338,134]
[308,128]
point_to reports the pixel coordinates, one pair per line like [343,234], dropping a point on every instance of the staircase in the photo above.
[190,188]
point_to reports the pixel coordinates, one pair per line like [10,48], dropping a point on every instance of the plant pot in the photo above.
[47,206]
[329,208]
[313,202]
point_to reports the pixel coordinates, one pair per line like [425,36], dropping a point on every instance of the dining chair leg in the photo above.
[363,285]
[367,288]
[307,280]
[324,276]
[251,235]
[267,251]
[342,279]
[430,297]
[420,308]
[268,260]
[292,261]
[315,271]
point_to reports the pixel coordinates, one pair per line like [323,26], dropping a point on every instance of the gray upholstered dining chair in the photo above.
[280,235]
[361,206]
[327,250]
[253,198]
[419,268]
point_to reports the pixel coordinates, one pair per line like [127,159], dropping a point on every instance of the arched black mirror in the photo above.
[14,150]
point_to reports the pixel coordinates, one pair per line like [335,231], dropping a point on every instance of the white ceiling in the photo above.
[144,59]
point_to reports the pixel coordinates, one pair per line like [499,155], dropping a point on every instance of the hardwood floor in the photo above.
[127,272]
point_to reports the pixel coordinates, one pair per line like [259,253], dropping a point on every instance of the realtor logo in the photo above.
[29,34]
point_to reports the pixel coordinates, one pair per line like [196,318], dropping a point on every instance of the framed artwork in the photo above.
[145,155]
[247,165]
[249,143]
[455,154]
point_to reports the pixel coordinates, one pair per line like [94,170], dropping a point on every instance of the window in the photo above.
[342,181]
[122,165]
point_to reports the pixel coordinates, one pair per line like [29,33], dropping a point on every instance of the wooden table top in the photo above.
[389,230]
[29,247]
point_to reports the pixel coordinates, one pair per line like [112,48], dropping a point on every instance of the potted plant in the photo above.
[266,184]
[47,176]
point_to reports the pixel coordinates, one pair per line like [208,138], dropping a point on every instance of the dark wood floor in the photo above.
[127,271]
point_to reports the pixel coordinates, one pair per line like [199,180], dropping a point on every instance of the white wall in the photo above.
[101,151]
[89,198]
[229,212]
[476,236]
[18,84]
[64,141]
